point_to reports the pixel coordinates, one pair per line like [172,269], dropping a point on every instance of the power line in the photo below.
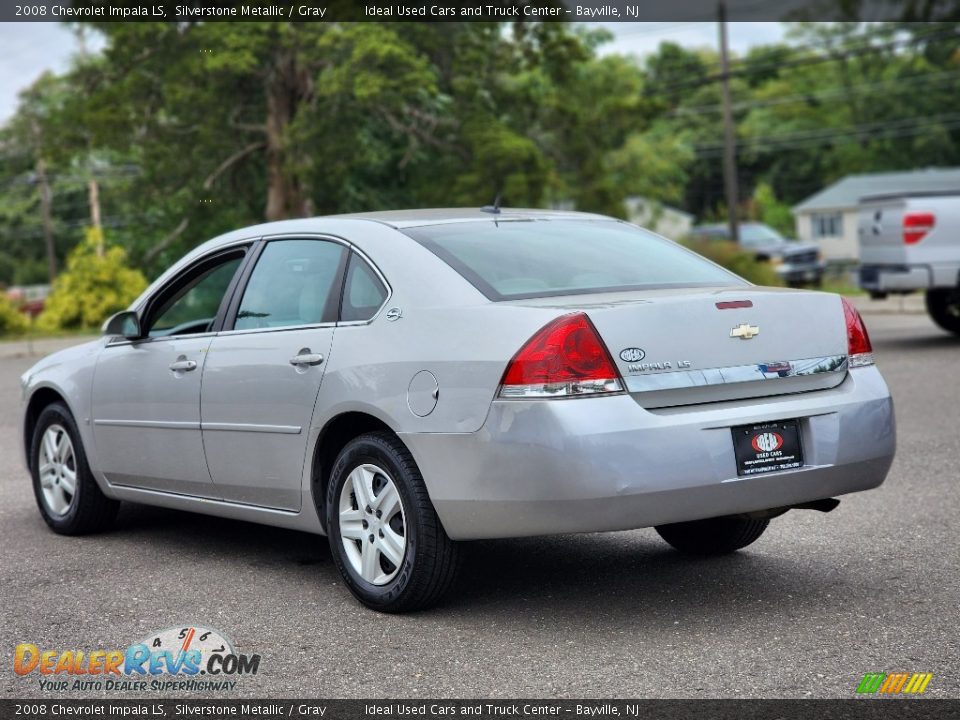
[877,131]
[931,79]
[800,61]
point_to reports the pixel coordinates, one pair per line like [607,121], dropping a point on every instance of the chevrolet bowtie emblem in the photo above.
[745,331]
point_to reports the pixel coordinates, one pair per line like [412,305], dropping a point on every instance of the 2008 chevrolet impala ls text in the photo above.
[402,381]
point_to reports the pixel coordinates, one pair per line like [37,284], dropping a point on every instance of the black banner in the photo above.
[854,709]
[470,10]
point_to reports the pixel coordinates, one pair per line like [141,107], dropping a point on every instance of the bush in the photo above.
[12,321]
[92,288]
[766,208]
[744,264]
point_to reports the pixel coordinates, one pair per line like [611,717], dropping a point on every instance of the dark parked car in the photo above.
[795,262]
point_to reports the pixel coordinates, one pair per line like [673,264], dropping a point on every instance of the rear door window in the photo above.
[295,282]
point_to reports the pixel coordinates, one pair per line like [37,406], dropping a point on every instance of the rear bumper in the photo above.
[598,464]
[895,278]
[907,278]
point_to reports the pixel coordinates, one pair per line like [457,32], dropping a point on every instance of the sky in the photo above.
[31,48]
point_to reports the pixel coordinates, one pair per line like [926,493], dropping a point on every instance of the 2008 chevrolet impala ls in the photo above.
[401,381]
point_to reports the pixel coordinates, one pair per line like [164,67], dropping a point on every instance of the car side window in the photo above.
[363,292]
[192,308]
[293,283]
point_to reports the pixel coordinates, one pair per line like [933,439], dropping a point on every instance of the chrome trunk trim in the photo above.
[766,378]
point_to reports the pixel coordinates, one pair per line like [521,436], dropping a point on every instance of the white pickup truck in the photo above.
[911,241]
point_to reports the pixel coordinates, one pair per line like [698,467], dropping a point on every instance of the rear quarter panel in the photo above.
[446,327]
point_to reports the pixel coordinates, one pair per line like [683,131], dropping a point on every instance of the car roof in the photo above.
[435,216]
[396,219]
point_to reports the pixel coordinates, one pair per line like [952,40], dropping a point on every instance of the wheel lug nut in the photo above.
[381,533]
[379,513]
[367,509]
[371,538]
[365,524]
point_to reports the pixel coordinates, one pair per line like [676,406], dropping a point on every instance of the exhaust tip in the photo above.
[826,505]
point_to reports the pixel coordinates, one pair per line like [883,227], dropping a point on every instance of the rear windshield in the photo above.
[510,260]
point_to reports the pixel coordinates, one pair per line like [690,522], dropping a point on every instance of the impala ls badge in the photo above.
[745,331]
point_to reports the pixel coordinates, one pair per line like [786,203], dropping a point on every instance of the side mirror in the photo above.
[124,324]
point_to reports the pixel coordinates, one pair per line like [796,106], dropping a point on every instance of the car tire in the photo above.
[57,464]
[714,536]
[943,306]
[366,546]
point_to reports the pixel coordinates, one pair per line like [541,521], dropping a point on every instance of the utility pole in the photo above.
[729,138]
[93,193]
[46,202]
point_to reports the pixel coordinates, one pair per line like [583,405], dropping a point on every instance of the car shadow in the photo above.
[634,575]
[231,541]
[585,579]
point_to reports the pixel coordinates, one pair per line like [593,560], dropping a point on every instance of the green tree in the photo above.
[93,286]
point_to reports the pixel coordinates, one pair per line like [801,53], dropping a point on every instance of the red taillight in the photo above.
[859,349]
[565,358]
[916,226]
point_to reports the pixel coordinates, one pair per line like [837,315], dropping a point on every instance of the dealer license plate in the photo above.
[767,447]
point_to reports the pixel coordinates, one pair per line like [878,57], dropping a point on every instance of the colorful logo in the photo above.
[894,683]
[183,652]
[767,442]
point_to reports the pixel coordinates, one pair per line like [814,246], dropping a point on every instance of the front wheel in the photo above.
[67,494]
[385,537]
[714,536]
[943,306]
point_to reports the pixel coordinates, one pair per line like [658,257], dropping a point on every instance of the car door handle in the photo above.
[306,358]
[183,366]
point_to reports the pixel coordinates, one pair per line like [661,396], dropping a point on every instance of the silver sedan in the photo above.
[402,381]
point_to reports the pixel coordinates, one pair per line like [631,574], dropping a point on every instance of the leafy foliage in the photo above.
[12,321]
[765,208]
[192,129]
[736,260]
[93,287]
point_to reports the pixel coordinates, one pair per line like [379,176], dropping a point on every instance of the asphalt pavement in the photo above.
[817,602]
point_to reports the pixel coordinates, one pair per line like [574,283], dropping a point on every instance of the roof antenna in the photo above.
[492,209]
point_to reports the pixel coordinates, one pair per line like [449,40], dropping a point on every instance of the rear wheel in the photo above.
[385,536]
[943,305]
[714,536]
[67,493]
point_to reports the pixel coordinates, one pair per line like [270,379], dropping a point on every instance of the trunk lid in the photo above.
[692,346]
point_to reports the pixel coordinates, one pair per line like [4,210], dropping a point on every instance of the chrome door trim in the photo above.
[252,331]
[252,427]
[158,424]
[117,342]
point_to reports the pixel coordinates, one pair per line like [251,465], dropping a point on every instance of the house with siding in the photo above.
[829,218]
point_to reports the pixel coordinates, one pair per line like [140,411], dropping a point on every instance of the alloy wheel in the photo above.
[57,465]
[372,524]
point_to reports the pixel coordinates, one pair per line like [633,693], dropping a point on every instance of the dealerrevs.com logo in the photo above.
[191,658]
